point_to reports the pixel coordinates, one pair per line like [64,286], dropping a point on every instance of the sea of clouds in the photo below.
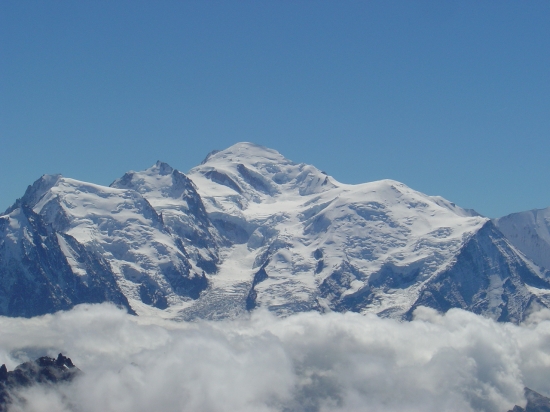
[306,362]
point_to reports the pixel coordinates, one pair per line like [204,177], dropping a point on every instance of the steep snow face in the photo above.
[317,244]
[173,195]
[122,227]
[530,233]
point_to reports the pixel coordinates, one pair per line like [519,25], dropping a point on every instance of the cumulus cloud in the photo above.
[306,362]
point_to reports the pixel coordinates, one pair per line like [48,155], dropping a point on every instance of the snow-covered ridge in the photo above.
[248,228]
[297,220]
[530,232]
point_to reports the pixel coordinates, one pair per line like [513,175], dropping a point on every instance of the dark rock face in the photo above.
[535,402]
[151,295]
[259,276]
[338,282]
[487,278]
[42,371]
[36,278]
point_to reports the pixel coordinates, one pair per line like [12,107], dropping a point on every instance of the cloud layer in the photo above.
[306,362]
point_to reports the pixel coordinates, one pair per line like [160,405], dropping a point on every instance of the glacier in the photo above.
[248,228]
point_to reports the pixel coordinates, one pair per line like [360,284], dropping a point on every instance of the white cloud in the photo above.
[306,362]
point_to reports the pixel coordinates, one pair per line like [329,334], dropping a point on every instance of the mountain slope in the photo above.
[489,277]
[308,242]
[37,269]
[174,197]
[249,228]
[529,232]
[73,223]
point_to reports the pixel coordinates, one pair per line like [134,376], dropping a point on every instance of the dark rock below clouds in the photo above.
[42,371]
[535,403]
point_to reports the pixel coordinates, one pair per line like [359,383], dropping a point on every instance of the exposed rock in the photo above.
[535,402]
[42,371]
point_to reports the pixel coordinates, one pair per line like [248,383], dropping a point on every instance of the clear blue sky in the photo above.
[450,97]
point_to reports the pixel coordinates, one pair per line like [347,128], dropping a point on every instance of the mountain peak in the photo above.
[159,180]
[162,168]
[131,178]
[255,171]
[39,187]
[246,152]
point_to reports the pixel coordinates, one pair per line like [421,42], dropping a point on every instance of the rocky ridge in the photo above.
[43,371]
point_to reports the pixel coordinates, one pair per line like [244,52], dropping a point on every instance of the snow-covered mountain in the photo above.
[64,239]
[250,228]
[312,243]
[529,232]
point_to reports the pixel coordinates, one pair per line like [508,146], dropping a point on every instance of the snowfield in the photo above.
[248,228]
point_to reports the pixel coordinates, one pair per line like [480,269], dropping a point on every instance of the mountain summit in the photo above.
[249,228]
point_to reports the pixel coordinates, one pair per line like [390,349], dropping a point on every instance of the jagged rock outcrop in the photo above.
[535,402]
[42,371]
